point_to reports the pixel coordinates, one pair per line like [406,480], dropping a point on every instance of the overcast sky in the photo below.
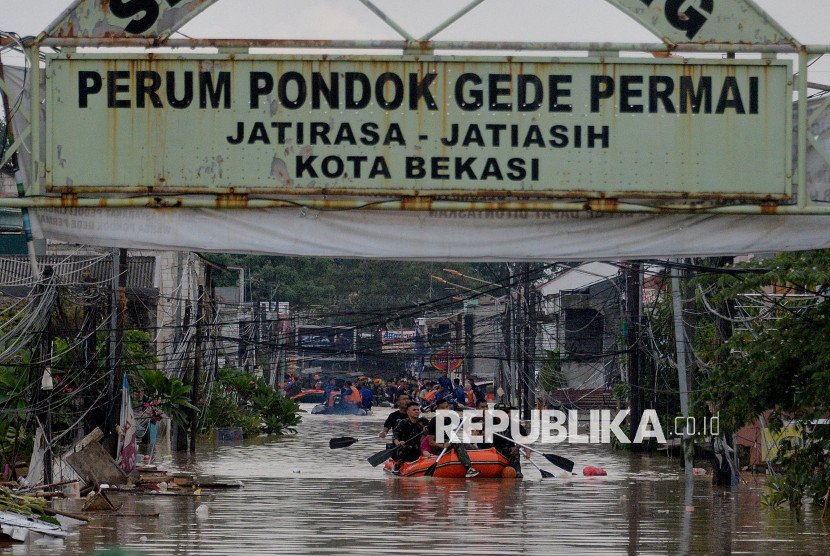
[515,20]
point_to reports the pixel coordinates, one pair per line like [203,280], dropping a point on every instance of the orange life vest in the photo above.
[353,396]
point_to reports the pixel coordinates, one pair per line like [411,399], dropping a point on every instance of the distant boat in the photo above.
[310,396]
[339,408]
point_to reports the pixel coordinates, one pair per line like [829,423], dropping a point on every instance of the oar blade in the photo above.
[431,470]
[547,474]
[559,461]
[380,457]
[342,442]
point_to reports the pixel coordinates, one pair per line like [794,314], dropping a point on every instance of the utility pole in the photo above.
[197,359]
[181,435]
[635,378]
[42,393]
[468,368]
[682,378]
[118,321]
[90,321]
[527,361]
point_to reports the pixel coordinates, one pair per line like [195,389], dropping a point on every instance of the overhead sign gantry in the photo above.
[604,128]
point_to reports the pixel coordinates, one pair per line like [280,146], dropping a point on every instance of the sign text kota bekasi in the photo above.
[400,126]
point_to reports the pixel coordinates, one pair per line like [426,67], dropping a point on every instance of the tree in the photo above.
[781,366]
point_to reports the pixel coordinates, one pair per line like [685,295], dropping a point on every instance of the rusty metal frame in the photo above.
[803,204]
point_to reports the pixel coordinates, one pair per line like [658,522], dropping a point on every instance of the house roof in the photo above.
[16,272]
[579,277]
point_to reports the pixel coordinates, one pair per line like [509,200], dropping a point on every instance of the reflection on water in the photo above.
[302,497]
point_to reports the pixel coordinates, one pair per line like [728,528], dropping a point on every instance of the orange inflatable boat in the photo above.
[490,463]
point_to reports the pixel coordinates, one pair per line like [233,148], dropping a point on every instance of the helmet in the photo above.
[503,406]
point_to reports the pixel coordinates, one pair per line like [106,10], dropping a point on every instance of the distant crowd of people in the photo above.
[369,393]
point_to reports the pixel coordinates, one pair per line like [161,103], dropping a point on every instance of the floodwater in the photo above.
[300,497]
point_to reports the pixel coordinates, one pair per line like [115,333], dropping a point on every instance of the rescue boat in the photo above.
[310,396]
[489,463]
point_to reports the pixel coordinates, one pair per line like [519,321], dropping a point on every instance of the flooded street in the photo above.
[300,497]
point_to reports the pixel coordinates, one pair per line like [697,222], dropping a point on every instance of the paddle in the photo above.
[380,457]
[346,441]
[545,474]
[431,470]
[558,461]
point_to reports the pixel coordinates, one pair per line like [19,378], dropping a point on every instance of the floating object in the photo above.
[699,471]
[296,470]
[338,409]
[72,490]
[202,511]
[489,463]
[508,473]
[690,508]
[592,471]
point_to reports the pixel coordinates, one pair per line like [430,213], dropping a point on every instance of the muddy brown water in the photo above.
[300,497]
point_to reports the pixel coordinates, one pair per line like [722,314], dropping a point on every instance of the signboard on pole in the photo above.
[445,359]
[419,126]
[397,341]
[326,343]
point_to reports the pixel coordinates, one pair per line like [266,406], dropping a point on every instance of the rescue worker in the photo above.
[366,396]
[395,416]
[436,447]
[458,392]
[508,449]
[407,436]
[330,392]
[445,381]
[351,395]
[481,405]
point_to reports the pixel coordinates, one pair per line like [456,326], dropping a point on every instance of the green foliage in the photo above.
[170,392]
[782,366]
[13,434]
[551,377]
[622,391]
[279,412]
[779,491]
[244,400]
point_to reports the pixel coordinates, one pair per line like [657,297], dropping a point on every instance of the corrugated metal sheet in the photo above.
[15,270]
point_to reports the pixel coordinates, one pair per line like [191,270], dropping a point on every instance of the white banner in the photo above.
[445,236]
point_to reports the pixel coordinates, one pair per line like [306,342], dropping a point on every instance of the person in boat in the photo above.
[481,405]
[366,396]
[445,381]
[431,395]
[395,416]
[407,436]
[330,392]
[318,382]
[351,395]
[436,448]
[458,393]
[508,449]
